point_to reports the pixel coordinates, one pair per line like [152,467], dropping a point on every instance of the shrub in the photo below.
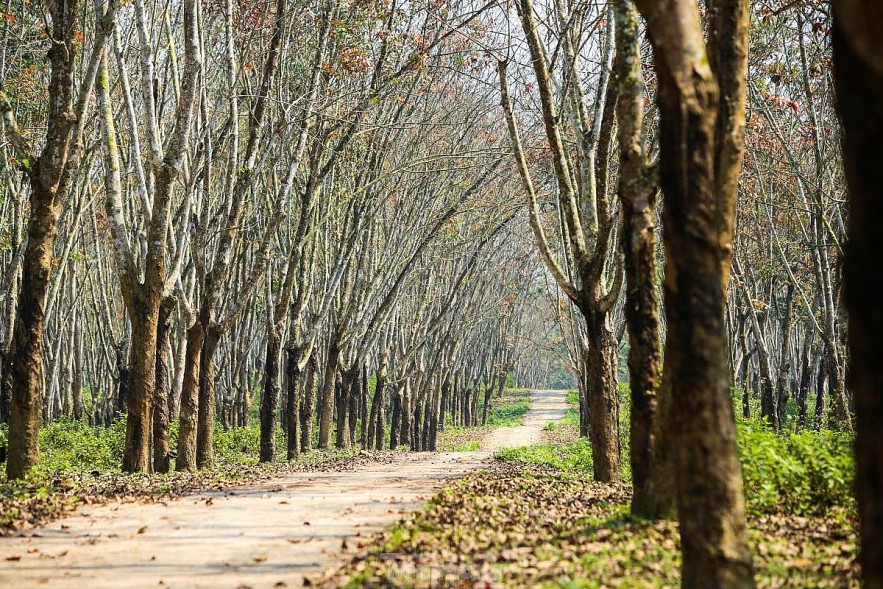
[67,444]
[804,473]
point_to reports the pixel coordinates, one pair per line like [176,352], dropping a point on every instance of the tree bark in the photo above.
[638,195]
[859,85]
[270,396]
[188,418]
[698,177]
[293,401]
[326,411]
[205,431]
[162,389]
[603,396]
[26,364]
[308,408]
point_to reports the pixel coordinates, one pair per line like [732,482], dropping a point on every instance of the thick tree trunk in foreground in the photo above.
[709,483]
[26,358]
[50,175]
[858,57]
[701,139]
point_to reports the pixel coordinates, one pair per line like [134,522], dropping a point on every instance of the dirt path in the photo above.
[264,536]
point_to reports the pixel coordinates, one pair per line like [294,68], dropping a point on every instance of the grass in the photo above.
[575,457]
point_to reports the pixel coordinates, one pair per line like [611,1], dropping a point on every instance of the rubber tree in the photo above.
[701,99]
[587,223]
[145,284]
[858,59]
[637,192]
[50,173]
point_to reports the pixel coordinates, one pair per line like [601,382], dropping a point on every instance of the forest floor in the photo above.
[269,534]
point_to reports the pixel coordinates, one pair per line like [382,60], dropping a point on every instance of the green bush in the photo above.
[67,444]
[804,473]
[238,444]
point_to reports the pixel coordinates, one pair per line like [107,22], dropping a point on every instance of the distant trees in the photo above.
[268,211]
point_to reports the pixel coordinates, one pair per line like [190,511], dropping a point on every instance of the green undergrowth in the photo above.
[506,411]
[522,525]
[805,473]
[509,411]
[538,520]
[575,457]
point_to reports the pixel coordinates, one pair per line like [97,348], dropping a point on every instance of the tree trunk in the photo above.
[205,431]
[806,371]
[363,407]
[329,389]
[270,396]
[583,390]
[839,416]
[603,396]
[26,355]
[161,389]
[5,385]
[376,419]
[293,401]
[488,389]
[407,421]
[782,389]
[355,397]
[140,381]
[396,418]
[698,219]
[311,384]
[473,407]
[344,394]
[77,384]
[638,196]
[436,415]
[821,384]
[188,418]
[859,85]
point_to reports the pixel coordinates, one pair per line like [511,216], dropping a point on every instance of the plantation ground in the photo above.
[269,534]
[536,519]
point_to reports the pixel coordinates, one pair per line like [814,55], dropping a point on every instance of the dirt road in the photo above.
[268,535]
